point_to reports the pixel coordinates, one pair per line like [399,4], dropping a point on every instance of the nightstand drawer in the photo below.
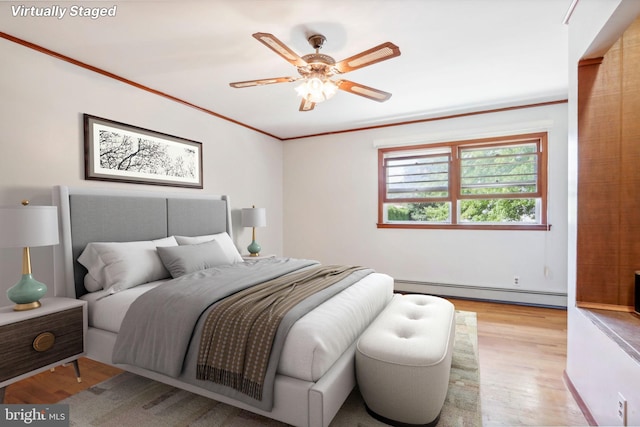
[57,335]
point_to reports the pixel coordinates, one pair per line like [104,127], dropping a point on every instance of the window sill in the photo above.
[535,227]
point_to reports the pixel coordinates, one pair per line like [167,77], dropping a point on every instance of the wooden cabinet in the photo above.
[608,250]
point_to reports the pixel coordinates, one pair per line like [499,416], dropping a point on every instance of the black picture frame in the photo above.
[115,151]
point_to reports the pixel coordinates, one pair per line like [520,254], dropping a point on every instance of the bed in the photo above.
[314,372]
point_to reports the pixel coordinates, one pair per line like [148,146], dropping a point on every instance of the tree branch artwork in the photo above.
[119,152]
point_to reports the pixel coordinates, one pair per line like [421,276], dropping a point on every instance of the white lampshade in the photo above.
[28,226]
[254,217]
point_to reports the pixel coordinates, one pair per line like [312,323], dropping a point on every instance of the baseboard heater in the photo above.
[517,296]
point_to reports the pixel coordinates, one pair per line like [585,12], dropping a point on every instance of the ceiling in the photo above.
[457,56]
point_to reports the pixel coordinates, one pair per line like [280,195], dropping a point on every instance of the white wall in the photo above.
[331,196]
[598,368]
[41,145]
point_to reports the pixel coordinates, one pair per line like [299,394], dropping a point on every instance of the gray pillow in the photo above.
[181,260]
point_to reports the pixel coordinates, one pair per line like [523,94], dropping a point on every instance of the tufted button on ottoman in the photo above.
[403,360]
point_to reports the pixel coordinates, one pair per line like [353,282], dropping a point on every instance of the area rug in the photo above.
[130,400]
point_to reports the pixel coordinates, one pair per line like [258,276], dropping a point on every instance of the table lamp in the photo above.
[24,227]
[254,217]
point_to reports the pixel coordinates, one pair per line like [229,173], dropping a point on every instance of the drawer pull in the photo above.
[44,341]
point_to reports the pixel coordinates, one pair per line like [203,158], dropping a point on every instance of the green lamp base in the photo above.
[254,248]
[26,293]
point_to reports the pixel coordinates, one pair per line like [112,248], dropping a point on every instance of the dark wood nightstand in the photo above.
[40,339]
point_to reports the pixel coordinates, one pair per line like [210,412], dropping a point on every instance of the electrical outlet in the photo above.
[516,281]
[621,409]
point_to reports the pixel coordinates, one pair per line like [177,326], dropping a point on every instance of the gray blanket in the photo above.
[158,328]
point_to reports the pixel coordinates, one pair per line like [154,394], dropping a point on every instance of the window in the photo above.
[488,183]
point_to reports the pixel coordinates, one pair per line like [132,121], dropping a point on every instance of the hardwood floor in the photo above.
[51,387]
[522,356]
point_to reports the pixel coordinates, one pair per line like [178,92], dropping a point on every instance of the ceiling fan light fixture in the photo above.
[316,89]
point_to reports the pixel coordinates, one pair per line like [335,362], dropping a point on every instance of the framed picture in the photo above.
[116,151]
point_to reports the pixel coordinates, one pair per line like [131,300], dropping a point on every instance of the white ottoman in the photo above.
[403,360]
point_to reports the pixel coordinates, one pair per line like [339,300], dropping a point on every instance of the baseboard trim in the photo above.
[576,396]
[516,296]
[608,307]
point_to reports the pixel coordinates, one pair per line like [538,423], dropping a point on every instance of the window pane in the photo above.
[499,211]
[499,170]
[417,177]
[438,212]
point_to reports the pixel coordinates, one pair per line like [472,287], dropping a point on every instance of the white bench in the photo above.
[403,360]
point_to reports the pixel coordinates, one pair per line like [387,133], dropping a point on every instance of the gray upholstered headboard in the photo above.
[89,215]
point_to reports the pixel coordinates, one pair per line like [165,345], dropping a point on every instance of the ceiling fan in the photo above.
[316,70]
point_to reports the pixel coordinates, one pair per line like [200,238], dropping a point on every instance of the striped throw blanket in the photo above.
[238,333]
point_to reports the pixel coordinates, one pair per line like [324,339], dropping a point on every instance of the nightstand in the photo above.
[249,257]
[40,339]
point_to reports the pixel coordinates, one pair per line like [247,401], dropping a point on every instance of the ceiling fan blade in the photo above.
[250,83]
[379,53]
[362,90]
[280,48]
[306,105]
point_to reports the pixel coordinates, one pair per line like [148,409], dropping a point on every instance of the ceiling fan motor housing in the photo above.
[317,63]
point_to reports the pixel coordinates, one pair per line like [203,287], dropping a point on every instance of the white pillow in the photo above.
[194,240]
[166,241]
[91,284]
[181,260]
[121,265]
[223,239]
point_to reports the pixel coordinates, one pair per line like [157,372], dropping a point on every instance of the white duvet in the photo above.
[314,342]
